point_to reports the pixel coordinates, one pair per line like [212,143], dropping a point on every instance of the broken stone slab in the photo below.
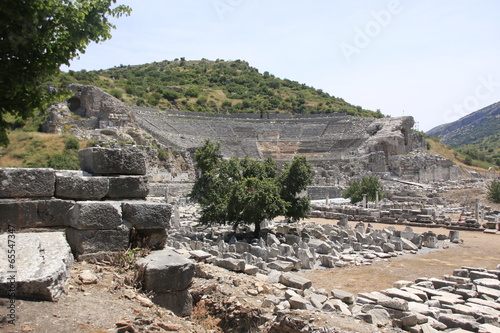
[340,306]
[482,290]
[42,265]
[488,328]
[380,317]
[166,271]
[147,215]
[95,241]
[328,261]
[474,275]
[295,281]
[394,303]
[27,182]
[306,258]
[93,215]
[251,269]
[179,302]
[281,265]
[459,321]
[438,283]
[108,161]
[406,295]
[343,295]
[494,305]
[297,302]
[235,265]
[408,245]
[199,255]
[79,187]
[487,282]
[125,187]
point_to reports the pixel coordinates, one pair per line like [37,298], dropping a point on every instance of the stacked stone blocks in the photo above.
[102,208]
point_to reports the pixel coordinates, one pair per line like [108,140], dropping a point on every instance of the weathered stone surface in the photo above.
[251,269]
[343,295]
[494,305]
[295,281]
[147,215]
[459,321]
[488,328]
[490,283]
[281,265]
[297,302]
[408,245]
[26,213]
[109,161]
[340,306]
[54,212]
[394,303]
[235,265]
[179,302]
[91,215]
[128,187]
[93,241]
[482,290]
[26,183]
[166,271]
[408,296]
[380,317]
[42,265]
[79,187]
[18,213]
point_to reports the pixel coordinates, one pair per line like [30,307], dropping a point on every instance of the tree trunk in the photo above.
[256,233]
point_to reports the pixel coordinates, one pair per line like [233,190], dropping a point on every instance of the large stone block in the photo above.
[295,281]
[107,161]
[84,242]
[26,183]
[54,212]
[25,213]
[166,271]
[128,187]
[41,266]
[90,215]
[179,302]
[147,215]
[18,213]
[80,187]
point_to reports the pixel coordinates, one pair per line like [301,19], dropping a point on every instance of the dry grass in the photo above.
[446,152]
[34,147]
[203,317]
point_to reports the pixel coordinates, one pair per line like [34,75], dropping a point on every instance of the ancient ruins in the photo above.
[126,197]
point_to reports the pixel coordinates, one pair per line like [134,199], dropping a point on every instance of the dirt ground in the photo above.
[477,250]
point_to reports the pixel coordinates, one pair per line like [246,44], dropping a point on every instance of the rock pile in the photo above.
[468,300]
[288,247]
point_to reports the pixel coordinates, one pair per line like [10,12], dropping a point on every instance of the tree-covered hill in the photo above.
[477,135]
[210,86]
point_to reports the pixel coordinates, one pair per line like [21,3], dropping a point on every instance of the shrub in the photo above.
[71,144]
[494,191]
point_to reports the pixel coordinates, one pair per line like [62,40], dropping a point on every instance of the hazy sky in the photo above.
[434,60]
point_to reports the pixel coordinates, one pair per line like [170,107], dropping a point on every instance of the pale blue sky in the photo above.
[435,60]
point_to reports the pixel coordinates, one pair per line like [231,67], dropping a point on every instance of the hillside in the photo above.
[476,135]
[210,86]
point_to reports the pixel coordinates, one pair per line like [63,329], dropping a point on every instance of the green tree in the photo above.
[367,185]
[247,191]
[494,191]
[36,38]
[294,181]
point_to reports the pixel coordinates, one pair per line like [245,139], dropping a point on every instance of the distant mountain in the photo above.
[210,86]
[477,134]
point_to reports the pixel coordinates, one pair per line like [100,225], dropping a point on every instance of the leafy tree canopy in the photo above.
[367,185]
[247,191]
[36,38]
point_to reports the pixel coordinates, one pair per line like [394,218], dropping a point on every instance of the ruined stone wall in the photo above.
[102,209]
